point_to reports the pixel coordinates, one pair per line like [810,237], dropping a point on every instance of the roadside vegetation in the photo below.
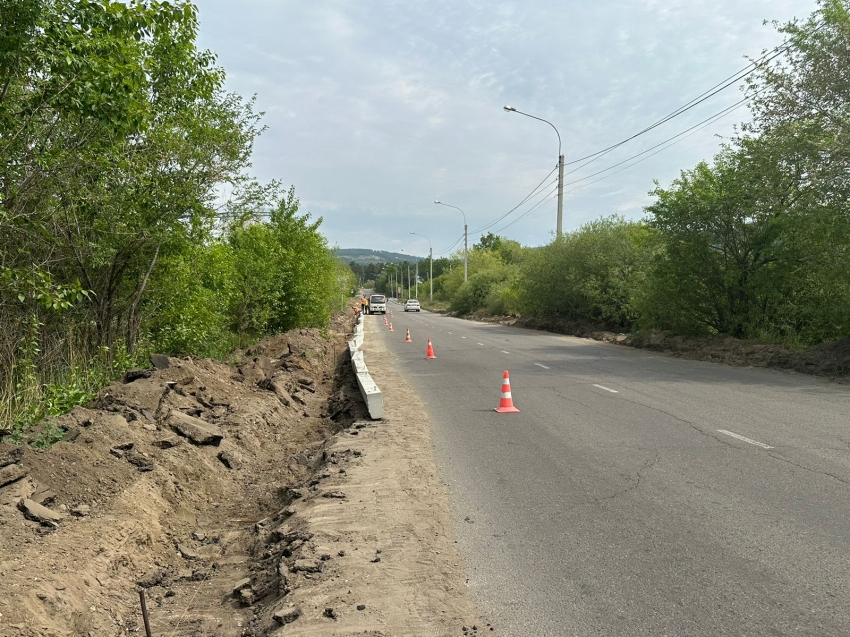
[754,244]
[117,142]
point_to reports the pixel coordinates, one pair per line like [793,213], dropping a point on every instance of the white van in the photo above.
[377,304]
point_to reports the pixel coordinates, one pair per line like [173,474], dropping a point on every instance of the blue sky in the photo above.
[377,108]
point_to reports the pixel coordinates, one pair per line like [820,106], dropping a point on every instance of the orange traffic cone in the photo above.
[430,350]
[407,337]
[391,313]
[391,328]
[506,404]
[385,320]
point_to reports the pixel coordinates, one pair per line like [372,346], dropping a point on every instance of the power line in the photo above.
[678,137]
[451,247]
[706,121]
[648,156]
[714,90]
[527,197]
[675,140]
[548,197]
[524,201]
[682,109]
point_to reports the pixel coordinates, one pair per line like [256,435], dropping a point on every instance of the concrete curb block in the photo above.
[368,388]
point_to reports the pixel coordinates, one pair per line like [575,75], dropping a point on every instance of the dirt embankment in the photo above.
[176,481]
[243,500]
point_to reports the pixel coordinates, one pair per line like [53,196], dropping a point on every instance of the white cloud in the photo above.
[400,102]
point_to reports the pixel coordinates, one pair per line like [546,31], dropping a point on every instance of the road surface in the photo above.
[634,493]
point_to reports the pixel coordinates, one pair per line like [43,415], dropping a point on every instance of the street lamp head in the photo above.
[437,201]
[509,109]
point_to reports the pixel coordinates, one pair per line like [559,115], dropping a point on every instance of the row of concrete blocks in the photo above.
[368,388]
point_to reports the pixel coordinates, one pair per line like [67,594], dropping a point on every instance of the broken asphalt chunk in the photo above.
[151,578]
[286,615]
[11,473]
[160,361]
[306,566]
[135,374]
[194,429]
[38,513]
[187,552]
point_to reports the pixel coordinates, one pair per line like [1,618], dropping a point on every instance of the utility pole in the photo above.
[560,221]
[430,265]
[465,243]
[417,278]
[465,251]
[560,224]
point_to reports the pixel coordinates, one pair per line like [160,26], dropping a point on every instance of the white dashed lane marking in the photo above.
[744,439]
[613,391]
[543,366]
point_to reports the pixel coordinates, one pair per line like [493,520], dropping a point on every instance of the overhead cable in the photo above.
[705,122]
[527,197]
[549,197]
[714,90]
[451,247]
[669,142]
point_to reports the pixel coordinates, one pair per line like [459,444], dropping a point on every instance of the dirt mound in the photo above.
[168,482]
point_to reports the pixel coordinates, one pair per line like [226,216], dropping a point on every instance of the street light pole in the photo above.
[430,265]
[560,221]
[465,237]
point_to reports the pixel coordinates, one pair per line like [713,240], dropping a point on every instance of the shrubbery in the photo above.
[118,139]
[755,244]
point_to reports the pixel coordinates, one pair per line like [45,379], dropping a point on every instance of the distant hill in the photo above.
[365,256]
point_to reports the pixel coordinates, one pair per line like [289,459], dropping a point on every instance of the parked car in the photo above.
[412,305]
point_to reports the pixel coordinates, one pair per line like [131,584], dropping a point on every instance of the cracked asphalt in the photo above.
[630,513]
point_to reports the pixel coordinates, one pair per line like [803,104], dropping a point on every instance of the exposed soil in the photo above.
[243,500]
[382,534]
[172,483]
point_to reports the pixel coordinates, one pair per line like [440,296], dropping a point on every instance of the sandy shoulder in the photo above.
[395,509]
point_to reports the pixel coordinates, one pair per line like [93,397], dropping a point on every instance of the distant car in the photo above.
[412,305]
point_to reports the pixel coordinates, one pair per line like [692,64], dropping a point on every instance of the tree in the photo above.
[756,245]
[801,112]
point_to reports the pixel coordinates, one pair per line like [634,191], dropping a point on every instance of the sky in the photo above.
[377,108]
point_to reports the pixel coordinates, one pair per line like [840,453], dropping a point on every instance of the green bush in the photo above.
[472,295]
[592,274]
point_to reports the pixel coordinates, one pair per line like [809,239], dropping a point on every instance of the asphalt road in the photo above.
[634,493]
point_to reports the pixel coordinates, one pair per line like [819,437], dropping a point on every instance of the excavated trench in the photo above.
[179,482]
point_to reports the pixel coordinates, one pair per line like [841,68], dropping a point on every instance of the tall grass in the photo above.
[44,374]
